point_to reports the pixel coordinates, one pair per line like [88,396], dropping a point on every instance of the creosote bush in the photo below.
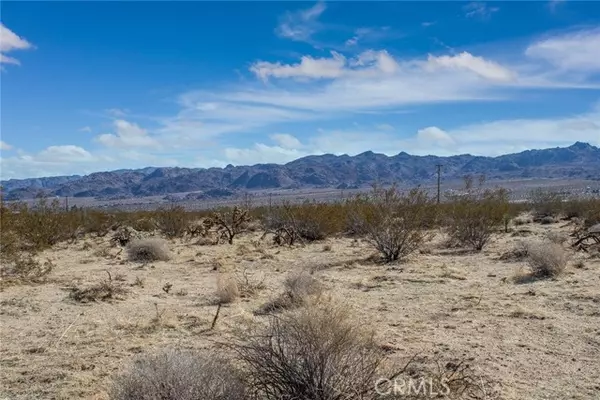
[392,222]
[178,375]
[146,250]
[476,215]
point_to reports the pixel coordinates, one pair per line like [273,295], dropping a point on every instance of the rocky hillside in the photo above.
[580,160]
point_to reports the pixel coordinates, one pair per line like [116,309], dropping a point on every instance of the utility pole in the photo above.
[67,203]
[439,170]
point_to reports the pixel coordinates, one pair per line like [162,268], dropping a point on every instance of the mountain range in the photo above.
[578,161]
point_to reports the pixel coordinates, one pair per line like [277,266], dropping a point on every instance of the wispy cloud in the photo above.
[5,146]
[479,10]
[85,129]
[300,25]
[576,51]
[10,41]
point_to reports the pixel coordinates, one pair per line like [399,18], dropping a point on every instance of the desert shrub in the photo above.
[178,375]
[546,259]
[546,203]
[476,215]
[228,223]
[313,353]
[227,289]
[309,221]
[556,237]
[172,222]
[392,222]
[299,289]
[145,250]
[23,267]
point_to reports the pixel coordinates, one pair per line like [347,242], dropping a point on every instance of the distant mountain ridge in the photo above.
[578,161]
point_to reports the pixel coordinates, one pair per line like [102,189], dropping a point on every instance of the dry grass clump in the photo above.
[299,289]
[546,259]
[178,375]
[146,250]
[317,352]
[227,289]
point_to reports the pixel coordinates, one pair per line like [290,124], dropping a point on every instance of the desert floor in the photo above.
[538,340]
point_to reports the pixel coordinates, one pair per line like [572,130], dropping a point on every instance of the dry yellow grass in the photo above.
[539,340]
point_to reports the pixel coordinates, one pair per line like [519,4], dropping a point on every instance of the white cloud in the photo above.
[480,66]
[286,141]
[308,67]
[66,153]
[369,62]
[10,41]
[574,51]
[127,135]
[300,25]
[86,129]
[435,136]
[479,10]
[5,146]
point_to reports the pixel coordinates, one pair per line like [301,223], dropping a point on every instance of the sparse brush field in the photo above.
[390,286]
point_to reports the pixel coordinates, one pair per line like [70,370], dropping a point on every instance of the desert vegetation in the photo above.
[312,300]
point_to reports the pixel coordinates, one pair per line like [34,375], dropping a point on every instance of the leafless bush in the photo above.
[145,250]
[392,222]
[178,375]
[228,224]
[556,237]
[227,289]
[546,259]
[315,353]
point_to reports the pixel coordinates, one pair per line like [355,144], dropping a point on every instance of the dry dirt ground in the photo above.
[538,340]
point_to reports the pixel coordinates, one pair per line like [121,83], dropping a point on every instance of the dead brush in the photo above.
[146,250]
[247,286]
[23,268]
[229,223]
[299,289]
[546,259]
[103,291]
[178,375]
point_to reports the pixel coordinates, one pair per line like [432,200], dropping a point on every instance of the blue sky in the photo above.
[93,86]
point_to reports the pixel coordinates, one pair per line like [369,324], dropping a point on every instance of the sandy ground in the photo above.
[538,340]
